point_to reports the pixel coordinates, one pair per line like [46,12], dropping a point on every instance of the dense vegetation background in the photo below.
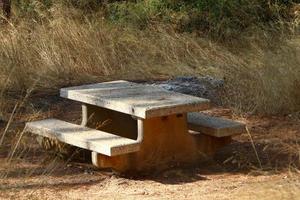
[220,18]
[252,44]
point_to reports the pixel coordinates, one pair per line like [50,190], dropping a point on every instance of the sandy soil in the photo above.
[234,172]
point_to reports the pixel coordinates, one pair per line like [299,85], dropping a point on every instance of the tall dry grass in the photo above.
[266,80]
[261,68]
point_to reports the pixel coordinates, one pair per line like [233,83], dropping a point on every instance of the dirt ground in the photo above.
[235,172]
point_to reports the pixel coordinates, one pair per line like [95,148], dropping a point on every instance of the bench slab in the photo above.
[83,137]
[214,126]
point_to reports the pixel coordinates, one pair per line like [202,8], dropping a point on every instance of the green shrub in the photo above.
[217,18]
[221,18]
[85,5]
[137,13]
[36,9]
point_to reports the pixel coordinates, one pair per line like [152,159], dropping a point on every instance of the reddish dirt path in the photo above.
[234,172]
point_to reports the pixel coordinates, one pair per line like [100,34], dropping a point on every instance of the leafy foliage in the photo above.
[218,18]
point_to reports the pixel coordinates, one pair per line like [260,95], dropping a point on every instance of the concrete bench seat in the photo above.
[83,137]
[214,126]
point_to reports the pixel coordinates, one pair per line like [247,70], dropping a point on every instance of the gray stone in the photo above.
[204,87]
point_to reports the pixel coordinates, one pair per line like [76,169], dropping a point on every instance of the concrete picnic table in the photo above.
[131,126]
[157,115]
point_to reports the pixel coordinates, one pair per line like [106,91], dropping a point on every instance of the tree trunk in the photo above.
[6,7]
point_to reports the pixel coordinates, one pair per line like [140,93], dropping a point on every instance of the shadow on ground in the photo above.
[38,169]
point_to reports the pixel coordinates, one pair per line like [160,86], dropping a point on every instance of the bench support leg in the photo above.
[109,121]
[208,145]
[120,163]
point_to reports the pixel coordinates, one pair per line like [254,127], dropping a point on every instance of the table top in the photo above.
[139,100]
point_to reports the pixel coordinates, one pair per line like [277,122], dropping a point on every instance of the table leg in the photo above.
[166,143]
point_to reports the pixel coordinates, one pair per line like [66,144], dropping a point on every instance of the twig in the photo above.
[254,148]
[15,147]
[8,123]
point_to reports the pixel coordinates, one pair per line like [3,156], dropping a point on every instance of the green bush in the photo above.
[218,18]
[85,5]
[36,9]
[221,18]
[137,13]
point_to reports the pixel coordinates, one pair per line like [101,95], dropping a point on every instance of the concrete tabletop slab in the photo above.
[139,100]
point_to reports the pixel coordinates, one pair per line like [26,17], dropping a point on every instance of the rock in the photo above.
[205,87]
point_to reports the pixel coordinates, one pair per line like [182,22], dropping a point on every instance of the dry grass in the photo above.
[267,78]
[65,51]
[262,75]
[261,68]
[261,71]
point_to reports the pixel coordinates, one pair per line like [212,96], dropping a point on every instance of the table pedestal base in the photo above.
[166,141]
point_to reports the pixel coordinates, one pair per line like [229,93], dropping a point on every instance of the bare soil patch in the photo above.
[235,172]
